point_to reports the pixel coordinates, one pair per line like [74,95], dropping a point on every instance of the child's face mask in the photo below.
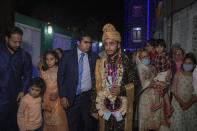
[145,61]
[188,67]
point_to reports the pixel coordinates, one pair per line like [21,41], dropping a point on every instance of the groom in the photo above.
[115,79]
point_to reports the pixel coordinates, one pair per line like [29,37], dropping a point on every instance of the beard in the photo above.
[14,49]
[114,53]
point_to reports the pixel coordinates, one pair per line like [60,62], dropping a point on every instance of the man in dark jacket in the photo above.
[15,74]
[75,74]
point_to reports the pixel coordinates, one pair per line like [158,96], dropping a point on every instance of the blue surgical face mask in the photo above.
[188,67]
[145,61]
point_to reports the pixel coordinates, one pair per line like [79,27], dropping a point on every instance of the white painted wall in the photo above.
[184,29]
[31,41]
[61,41]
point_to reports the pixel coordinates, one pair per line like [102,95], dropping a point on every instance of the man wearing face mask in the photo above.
[115,79]
[15,74]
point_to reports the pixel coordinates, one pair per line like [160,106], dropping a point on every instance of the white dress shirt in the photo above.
[86,83]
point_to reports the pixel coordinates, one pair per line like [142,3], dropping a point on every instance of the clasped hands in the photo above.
[114,91]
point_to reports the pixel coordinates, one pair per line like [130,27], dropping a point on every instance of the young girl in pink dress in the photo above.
[54,114]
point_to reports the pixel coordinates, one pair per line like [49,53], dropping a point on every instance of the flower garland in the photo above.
[108,104]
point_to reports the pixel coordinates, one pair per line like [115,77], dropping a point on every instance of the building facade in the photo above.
[179,24]
[139,22]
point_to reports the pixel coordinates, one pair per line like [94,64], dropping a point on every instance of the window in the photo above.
[137,34]
[137,11]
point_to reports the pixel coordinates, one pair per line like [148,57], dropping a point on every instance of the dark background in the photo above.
[76,15]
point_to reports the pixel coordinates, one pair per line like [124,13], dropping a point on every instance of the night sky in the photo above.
[75,13]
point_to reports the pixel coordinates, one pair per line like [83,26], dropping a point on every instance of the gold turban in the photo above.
[109,32]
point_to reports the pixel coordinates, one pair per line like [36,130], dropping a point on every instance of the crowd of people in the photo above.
[78,90]
[167,100]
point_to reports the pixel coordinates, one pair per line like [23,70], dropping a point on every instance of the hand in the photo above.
[194,98]
[143,79]
[64,102]
[174,90]
[185,106]
[115,91]
[53,96]
[167,78]
[162,84]
[46,108]
[153,83]
[20,95]
[95,115]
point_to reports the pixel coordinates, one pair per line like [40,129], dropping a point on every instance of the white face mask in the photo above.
[145,61]
[188,67]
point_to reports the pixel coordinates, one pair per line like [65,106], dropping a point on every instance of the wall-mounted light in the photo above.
[137,28]
[49,28]
[100,44]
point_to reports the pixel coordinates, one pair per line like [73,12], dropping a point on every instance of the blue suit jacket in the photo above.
[68,73]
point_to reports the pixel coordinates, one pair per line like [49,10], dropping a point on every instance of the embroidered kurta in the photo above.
[15,74]
[129,79]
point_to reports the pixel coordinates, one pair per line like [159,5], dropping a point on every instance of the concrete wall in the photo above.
[31,41]
[179,4]
[184,28]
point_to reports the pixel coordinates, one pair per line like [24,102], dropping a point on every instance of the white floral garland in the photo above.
[104,94]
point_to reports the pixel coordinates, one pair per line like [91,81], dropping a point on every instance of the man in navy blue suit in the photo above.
[75,74]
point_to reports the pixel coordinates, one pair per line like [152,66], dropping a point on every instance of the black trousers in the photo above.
[8,116]
[79,118]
